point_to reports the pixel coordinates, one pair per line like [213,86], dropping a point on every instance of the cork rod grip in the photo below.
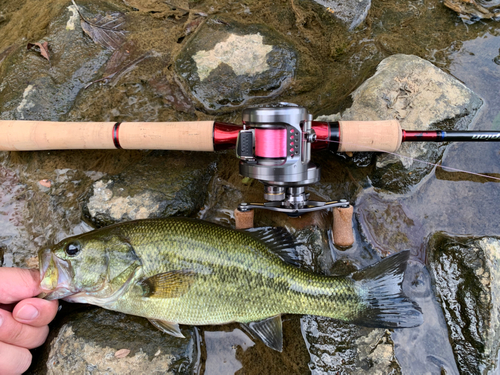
[383,136]
[46,135]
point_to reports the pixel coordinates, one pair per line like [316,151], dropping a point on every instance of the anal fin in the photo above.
[167,327]
[269,330]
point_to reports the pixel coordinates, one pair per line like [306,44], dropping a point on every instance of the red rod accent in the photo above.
[420,136]
[322,130]
[225,135]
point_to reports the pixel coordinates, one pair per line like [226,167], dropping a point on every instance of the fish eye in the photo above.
[72,248]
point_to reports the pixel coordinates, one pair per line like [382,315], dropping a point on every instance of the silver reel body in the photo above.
[275,148]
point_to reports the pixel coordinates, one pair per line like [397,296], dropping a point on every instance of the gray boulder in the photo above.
[105,342]
[229,65]
[165,184]
[466,275]
[351,12]
[421,97]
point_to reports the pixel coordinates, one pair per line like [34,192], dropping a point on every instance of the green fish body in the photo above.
[184,271]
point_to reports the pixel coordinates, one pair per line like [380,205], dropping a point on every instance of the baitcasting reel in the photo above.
[275,148]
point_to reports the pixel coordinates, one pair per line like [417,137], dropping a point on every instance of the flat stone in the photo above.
[422,97]
[466,275]
[352,12]
[348,349]
[389,225]
[165,184]
[228,65]
[105,342]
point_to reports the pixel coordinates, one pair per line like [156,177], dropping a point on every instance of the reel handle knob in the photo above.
[243,219]
[343,235]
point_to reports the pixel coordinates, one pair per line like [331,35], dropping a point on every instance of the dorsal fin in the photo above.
[269,330]
[279,241]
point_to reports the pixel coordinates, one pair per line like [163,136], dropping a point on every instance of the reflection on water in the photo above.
[221,349]
[443,174]
[427,344]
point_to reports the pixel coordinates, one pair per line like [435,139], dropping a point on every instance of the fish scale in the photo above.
[187,271]
[237,277]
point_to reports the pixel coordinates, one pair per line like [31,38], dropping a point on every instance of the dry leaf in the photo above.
[44,48]
[45,183]
[104,30]
[122,353]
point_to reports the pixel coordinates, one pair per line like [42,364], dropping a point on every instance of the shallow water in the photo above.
[334,62]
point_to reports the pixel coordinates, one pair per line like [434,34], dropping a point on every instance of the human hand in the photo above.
[24,324]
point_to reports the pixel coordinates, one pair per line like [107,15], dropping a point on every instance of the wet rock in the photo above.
[389,225]
[352,12]
[471,11]
[33,88]
[105,342]
[14,243]
[164,184]
[421,97]
[228,65]
[348,349]
[466,274]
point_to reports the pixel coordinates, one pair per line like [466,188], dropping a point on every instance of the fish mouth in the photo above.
[56,276]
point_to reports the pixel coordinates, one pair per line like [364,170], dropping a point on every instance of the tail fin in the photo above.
[386,305]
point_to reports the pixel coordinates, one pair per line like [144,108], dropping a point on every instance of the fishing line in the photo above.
[418,160]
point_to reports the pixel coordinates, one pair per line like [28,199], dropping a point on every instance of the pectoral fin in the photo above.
[269,330]
[167,327]
[170,284]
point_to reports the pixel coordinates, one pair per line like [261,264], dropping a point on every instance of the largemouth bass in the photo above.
[183,271]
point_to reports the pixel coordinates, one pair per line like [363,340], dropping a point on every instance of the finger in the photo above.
[35,312]
[17,284]
[23,335]
[13,359]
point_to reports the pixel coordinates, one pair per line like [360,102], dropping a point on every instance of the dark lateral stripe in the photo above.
[116,129]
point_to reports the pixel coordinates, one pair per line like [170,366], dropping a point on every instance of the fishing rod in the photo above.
[274,145]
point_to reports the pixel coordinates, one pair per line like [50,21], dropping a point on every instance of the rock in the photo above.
[52,86]
[105,342]
[228,65]
[348,349]
[165,184]
[351,12]
[15,245]
[389,225]
[421,97]
[466,275]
